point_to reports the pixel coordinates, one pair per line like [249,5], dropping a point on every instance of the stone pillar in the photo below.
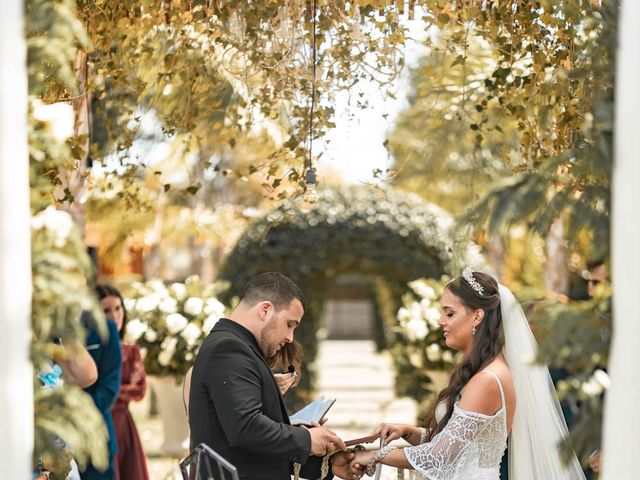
[16,375]
[622,416]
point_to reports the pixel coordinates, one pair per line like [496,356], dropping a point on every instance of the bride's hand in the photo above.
[359,463]
[341,464]
[391,431]
[284,380]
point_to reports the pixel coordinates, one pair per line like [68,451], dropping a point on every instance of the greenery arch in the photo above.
[391,237]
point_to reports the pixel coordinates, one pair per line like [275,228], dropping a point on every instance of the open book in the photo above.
[312,413]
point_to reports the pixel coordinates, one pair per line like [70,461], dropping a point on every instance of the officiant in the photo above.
[235,406]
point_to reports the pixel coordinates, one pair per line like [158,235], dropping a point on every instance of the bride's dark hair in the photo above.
[290,355]
[487,343]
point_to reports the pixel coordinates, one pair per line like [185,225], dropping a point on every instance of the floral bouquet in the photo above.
[171,322]
[420,348]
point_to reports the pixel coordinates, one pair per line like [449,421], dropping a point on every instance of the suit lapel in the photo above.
[258,353]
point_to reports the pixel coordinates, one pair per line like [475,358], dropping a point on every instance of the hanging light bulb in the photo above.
[311,194]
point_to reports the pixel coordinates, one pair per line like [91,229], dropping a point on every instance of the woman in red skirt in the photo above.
[131,462]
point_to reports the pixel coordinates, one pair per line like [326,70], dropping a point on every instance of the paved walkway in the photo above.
[360,380]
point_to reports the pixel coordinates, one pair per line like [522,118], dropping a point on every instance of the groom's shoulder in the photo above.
[223,340]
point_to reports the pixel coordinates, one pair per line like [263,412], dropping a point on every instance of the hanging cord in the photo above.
[311,195]
[313,82]
[379,467]
[324,469]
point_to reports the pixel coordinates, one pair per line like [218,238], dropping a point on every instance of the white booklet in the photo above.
[312,413]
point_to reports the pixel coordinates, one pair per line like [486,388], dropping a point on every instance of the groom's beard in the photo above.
[268,345]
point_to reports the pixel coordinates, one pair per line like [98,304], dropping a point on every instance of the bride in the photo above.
[495,393]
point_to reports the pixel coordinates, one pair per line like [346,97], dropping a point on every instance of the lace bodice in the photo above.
[470,447]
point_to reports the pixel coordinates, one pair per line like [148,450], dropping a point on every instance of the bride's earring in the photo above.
[473,330]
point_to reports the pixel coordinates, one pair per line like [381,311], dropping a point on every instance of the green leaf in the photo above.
[193,189]
[460,60]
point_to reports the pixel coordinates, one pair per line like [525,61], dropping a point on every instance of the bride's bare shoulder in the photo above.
[501,369]
[481,395]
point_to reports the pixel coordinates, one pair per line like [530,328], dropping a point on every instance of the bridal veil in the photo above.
[538,424]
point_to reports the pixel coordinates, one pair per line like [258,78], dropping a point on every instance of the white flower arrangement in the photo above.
[179,290]
[170,323]
[147,303]
[150,335]
[168,305]
[176,323]
[416,329]
[418,326]
[135,329]
[592,388]
[194,305]
[56,222]
[423,289]
[213,306]
[602,378]
[191,333]
[434,352]
[448,356]
[209,323]
[598,383]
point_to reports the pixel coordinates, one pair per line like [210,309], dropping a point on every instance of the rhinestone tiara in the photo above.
[467,274]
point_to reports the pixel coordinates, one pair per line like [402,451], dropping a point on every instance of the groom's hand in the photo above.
[340,464]
[324,441]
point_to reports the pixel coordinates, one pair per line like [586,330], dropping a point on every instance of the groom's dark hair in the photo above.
[273,287]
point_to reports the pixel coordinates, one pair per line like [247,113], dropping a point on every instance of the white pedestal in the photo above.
[174,420]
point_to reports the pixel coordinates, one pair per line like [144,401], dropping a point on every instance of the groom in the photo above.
[235,406]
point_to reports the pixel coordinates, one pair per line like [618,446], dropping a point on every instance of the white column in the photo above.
[622,415]
[16,384]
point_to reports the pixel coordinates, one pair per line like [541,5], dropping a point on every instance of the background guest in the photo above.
[131,462]
[77,368]
[108,358]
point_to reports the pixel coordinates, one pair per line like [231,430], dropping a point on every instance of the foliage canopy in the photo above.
[510,122]
[222,71]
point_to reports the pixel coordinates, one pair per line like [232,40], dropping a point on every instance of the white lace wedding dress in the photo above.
[470,447]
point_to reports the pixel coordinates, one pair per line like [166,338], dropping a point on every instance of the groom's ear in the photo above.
[265,310]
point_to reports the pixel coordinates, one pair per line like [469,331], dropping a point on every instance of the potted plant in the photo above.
[170,322]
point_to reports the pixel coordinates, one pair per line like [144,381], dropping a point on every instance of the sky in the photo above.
[355,147]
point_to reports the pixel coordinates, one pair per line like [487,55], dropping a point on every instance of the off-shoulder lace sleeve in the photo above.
[443,457]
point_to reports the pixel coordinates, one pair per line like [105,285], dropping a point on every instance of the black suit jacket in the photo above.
[235,408]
